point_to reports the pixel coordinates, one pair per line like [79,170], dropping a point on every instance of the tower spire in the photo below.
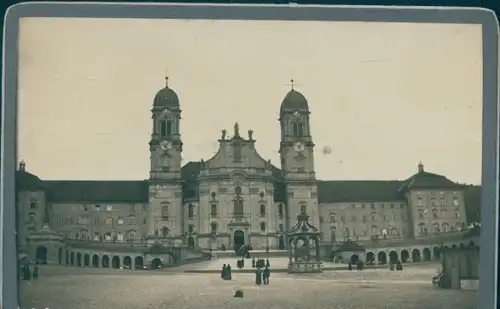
[292,82]
[166,81]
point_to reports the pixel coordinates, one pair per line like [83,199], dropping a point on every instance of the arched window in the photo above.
[421,214]
[213,228]
[445,227]
[169,127]
[238,206]
[436,228]
[119,236]
[130,236]
[165,231]
[163,128]
[346,232]
[333,234]
[434,214]
[422,228]
[263,226]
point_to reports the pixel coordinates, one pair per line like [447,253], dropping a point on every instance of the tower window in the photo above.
[298,129]
[163,128]
[169,127]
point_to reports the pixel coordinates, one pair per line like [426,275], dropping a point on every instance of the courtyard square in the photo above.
[62,288]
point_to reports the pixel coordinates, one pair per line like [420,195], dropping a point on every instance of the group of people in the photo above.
[262,275]
[359,265]
[259,263]
[399,266]
[226,272]
[29,271]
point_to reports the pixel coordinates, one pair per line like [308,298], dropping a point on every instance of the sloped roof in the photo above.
[359,191]
[426,180]
[98,191]
[28,182]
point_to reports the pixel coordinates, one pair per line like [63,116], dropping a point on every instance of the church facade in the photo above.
[237,197]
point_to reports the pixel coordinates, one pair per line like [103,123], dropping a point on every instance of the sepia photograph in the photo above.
[181,163]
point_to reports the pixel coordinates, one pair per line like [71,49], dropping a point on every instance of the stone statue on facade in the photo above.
[236,130]
[250,134]
[224,132]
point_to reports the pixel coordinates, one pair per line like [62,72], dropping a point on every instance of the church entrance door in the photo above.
[239,239]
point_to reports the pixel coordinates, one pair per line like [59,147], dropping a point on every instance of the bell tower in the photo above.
[165,182]
[297,157]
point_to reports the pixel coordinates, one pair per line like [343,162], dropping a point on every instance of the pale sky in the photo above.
[382,96]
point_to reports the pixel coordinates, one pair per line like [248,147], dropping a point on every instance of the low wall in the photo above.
[460,268]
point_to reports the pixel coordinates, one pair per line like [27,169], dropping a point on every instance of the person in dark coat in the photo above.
[223,272]
[267,263]
[349,265]
[258,276]
[253,262]
[229,276]
[35,272]
[265,275]
[26,272]
[399,266]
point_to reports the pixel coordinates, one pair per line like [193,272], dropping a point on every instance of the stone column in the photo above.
[132,262]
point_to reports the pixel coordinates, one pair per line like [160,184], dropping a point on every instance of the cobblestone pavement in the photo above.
[67,288]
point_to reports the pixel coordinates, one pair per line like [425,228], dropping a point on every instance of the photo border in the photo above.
[489,188]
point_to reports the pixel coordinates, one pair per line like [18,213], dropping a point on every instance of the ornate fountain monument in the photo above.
[303,239]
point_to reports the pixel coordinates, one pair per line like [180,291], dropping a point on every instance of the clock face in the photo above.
[165,145]
[166,111]
[296,114]
[299,147]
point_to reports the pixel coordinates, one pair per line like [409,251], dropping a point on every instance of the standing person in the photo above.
[35,272]
[267,263]
[349,265]
[265,275]
[258,277]
[26,272]
[228,270]
[223,272]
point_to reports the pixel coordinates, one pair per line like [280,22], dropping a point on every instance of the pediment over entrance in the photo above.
[238,157]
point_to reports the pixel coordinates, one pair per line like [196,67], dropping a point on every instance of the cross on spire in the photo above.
[292,84]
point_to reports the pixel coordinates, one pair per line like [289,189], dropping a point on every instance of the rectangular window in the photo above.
[213,210]
[303,208]
[191,211]
[262,210]
[332,218]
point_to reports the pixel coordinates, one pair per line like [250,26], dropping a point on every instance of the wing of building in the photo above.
[236,197]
